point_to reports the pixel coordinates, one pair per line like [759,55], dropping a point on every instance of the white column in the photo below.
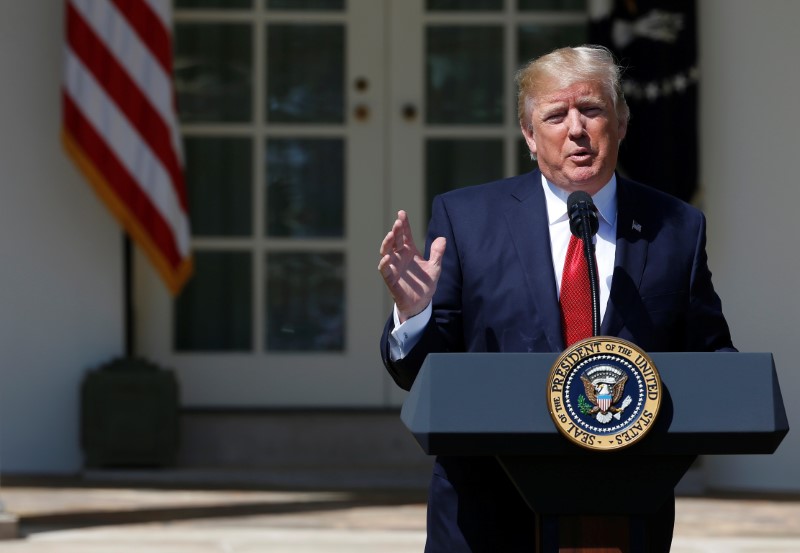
[750,150]
[61,281]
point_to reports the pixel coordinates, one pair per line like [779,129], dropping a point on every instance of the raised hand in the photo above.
[410,278]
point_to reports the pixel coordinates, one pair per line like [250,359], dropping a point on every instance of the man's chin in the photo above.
[588,181]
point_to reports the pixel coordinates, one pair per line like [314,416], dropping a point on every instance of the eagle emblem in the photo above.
[604,393]
[604,386]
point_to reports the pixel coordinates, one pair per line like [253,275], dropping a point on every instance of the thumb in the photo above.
[437,250]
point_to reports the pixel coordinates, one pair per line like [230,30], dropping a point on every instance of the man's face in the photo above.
[575,135]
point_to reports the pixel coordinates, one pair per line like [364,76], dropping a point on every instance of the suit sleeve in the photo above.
[443,333]
[706,328]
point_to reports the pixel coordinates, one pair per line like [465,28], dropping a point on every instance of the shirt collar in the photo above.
[605,200]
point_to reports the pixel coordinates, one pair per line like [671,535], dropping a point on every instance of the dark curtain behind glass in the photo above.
[656,41]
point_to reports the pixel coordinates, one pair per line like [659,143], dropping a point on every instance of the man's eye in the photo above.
[592,111]
[555,118]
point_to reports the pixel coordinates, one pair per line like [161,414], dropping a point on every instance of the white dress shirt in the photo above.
[605,241]
[405,335]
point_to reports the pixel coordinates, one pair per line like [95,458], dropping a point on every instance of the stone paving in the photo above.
[68,518]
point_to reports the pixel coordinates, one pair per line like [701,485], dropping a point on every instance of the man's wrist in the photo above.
[407,333]
[403,317]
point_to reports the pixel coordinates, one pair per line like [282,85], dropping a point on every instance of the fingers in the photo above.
[437,250]
[385,268]
[398,231]
[402,229]
[387,246]
[399,236]
[402,217]
[410,279]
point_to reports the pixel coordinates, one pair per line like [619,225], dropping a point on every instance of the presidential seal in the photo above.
[604,393]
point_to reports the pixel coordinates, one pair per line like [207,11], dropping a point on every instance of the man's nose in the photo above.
[575,124]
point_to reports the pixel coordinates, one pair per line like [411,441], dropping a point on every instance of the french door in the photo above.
[307,124]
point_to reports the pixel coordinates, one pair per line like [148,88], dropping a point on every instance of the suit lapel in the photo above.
[630,256]
[527,221]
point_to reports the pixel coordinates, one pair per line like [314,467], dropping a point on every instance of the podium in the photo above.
[493,404]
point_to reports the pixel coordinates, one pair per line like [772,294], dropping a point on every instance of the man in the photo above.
[496,254]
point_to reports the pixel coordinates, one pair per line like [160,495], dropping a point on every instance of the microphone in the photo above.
[583,223]
[581,211]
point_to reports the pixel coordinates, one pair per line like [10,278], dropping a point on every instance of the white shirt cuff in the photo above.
[406,335]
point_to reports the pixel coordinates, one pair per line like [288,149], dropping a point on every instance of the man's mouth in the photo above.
[580,155]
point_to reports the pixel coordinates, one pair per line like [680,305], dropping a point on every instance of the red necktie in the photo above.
[576,296]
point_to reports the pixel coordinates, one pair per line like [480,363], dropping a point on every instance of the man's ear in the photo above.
[530,139]
[622,129]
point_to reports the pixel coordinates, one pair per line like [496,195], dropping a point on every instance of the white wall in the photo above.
[60,281]
[750,144]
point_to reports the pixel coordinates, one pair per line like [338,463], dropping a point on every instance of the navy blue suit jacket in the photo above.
[497,293]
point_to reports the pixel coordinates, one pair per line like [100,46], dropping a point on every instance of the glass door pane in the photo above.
[455,162]
[221,172]
[213,313]
[535,40]
[305,187]
[305,73]
[464,74]
[305,302]
[213,72]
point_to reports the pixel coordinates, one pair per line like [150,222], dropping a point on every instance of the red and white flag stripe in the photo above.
[120,124]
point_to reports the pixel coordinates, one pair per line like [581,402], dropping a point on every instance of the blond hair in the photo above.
[569,66]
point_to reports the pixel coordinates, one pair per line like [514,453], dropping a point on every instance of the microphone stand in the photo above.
[594,284]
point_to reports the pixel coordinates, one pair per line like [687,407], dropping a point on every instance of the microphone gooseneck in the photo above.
[583,223]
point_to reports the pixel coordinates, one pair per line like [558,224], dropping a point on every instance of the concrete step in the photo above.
[313,449]
[324,449]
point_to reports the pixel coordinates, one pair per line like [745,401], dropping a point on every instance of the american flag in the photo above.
[120,123]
